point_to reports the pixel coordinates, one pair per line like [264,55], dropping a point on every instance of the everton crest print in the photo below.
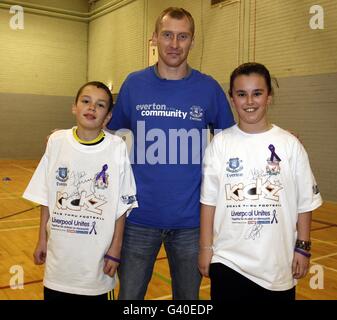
[62,175]
[196,113]
[234,165]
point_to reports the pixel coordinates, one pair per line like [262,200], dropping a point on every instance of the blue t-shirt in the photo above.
[168,120]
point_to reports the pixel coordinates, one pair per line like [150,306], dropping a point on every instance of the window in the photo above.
[217,1]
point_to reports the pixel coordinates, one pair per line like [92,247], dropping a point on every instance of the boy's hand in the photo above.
[40,253]
[205,257]
[110,267]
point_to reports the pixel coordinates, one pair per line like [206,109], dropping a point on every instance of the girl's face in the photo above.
[91,108]
[251,100]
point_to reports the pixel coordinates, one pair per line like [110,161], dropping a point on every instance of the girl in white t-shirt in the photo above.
[257,197]
[85,185]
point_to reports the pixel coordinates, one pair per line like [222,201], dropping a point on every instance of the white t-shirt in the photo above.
[86,188]
[258,199]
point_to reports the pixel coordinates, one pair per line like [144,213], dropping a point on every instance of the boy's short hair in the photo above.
[175,13]
[99,85]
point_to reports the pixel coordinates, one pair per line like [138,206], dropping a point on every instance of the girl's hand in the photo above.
[300,265]
[205,257]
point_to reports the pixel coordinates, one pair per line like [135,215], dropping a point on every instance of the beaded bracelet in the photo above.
[302,244]
[112,258]
[303,253]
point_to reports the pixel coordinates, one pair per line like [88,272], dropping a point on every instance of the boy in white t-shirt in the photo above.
[85,185]
[257,197]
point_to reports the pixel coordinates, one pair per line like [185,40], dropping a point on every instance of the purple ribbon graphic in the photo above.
[102,173]
[273,153]
[93,228]
[274,217]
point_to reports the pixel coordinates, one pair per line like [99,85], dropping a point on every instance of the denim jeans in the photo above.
[140,249]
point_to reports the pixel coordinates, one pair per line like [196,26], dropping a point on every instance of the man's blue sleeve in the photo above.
[121,111]
[221,116]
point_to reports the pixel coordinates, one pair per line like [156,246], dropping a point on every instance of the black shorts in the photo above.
[52,295]
[229,285]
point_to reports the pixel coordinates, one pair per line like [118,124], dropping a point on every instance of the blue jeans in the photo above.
[140,249]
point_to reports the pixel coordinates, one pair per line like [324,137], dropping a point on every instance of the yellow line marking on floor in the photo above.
[323,241]
[23,168]
[323,257]
[329,268]
[19,228]
[19,220]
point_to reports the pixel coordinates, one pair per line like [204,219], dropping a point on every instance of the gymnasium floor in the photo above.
[19,223]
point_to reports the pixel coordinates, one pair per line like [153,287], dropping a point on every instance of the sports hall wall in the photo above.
[109,39]
[40,68]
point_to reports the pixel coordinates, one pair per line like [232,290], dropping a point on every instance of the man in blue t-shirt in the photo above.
[168,108]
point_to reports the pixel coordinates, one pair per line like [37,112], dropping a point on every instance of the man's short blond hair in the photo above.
[175,13]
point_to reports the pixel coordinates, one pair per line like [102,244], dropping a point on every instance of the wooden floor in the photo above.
[19,223]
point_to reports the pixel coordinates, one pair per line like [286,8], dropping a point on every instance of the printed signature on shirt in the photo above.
[75,179]
[254,232]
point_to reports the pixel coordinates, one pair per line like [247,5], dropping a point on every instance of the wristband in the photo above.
[207,247]
[112,258]
[303,253]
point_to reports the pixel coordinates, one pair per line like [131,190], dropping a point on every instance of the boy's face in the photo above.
[91,108]
[174,41]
